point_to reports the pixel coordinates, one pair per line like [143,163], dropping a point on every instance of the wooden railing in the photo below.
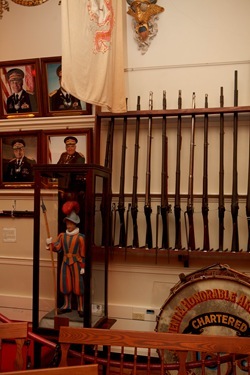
[155,352]
[19,333]
[138,352]
[73,370]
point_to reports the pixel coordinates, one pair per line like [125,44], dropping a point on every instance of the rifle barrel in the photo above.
[177,206]
[234,203]
[190,205]
[221,208]
[205,208]
[165,207]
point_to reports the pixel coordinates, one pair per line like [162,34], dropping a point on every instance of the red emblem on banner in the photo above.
[102,16]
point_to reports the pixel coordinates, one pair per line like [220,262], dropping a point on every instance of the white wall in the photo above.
[198,47]
[29,32]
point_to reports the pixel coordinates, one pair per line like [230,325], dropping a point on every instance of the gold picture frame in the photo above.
[20,94]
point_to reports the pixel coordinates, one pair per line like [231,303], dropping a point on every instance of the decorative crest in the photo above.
[145,14]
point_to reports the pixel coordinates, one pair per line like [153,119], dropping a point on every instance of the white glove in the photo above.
[48,241]
[82,271]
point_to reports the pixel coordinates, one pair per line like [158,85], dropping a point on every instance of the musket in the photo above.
[190,203]
[121,205]
[147,206]
[165,207]
[108,164]
[177,205]
[109,144]
[234,202]
[248,202]
[205,208]
[221,208]
[134,204]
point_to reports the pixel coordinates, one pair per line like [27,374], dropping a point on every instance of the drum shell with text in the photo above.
[212,301]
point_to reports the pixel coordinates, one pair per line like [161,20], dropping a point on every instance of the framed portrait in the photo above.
[58,102]
[20,92]
[19,153]
[69,146]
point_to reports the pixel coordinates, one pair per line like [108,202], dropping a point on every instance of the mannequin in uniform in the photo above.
[72,243]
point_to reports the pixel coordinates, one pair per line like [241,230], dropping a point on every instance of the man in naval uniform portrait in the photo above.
[20,101]
[61,100]
[19,169]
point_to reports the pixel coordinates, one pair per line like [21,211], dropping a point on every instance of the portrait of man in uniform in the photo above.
[19,88]
[56,97]
[71,156]
[19,156]
[68,149]
[60,99]
[20,101]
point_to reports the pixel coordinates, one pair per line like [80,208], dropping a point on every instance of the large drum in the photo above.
[213,300]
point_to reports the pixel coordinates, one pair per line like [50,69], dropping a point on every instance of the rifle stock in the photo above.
[177,206]
[134,205]
[113,220]
[190,205]
[221,208]
[165,207]
[127,224]
[234,202]
[205,208]
[147,206]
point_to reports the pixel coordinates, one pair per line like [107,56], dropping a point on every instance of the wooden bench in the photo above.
[73,370]
[19,333]
[119,350]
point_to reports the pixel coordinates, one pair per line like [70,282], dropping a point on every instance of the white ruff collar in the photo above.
[73,232]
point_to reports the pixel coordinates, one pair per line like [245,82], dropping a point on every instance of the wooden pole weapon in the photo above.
[51,253]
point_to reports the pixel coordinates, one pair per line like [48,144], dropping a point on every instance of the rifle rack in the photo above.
[112,121]
[16,214]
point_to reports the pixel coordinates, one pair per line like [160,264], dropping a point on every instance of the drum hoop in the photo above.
[216,271]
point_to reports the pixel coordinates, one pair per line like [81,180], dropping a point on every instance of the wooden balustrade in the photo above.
[119,351]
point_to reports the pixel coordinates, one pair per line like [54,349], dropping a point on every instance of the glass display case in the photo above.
[58,260]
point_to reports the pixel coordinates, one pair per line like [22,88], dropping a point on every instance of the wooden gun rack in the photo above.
[104,118]
[16,214]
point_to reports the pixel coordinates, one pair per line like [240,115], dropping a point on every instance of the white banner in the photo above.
[92,52]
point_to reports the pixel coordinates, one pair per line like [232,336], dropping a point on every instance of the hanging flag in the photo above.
[92,52]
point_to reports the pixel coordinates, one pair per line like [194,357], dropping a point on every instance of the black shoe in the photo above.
[63,311]
[80,313]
